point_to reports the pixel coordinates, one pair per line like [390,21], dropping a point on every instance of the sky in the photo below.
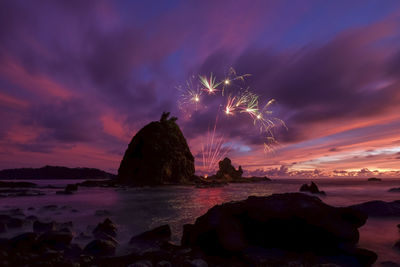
[79,78]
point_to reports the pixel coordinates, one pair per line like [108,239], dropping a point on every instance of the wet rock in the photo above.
[55,239]
[107,227]
[374,179]
[3,227]
[100,248]
[151,240]
[163,263]
[40,227]
[379,208]
[198,263]
[104,236]
[158,235]
[291,222]
[142,263]
[158,154]
[15,223]
[312,188]
[73,251]
[23,241]
[10,222]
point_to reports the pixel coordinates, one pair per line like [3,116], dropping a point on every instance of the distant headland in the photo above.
[54,173]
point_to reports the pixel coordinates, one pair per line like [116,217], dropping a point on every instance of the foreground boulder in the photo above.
[158,154]
[292,222]
[312,188]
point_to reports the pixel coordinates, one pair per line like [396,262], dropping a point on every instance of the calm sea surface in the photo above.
[139,209]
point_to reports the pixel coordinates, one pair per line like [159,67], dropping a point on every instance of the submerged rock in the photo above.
[312,188]
[374,179]
[292,222]
[158,154]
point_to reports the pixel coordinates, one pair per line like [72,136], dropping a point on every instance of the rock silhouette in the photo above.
[158,154]
[289,222]
[312,188]
[227,171]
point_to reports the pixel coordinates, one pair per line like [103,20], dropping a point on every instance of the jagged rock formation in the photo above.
[227,172]
[158,154]
[312,188]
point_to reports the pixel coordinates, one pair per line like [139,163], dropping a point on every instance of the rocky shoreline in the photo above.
[292,229]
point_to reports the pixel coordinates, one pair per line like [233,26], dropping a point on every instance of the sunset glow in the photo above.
[74,89]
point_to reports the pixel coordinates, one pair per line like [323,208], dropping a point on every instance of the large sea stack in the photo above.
[158,154]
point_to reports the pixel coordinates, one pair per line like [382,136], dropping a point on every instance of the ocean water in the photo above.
[135,210]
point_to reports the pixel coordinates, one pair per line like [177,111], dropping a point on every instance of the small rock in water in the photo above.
[312,188]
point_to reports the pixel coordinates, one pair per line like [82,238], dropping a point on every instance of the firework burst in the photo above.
[210,85]
[238,99]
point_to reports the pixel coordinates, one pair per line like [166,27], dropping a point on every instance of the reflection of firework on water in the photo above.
[212,149]
[238,99]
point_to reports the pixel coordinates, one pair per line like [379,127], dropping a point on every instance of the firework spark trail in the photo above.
[214,150]
[238,99]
